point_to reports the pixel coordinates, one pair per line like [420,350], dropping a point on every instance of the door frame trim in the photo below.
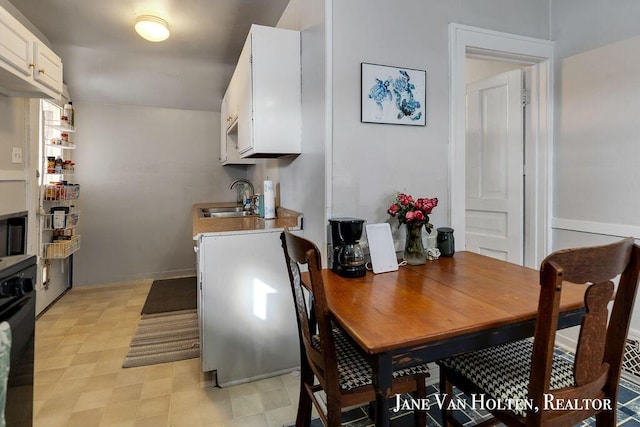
[526,50]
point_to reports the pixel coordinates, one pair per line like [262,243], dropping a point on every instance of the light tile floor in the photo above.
[80,345]
[81,342]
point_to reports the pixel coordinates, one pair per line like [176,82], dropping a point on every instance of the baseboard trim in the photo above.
[604,228]
[258,377]
[173,274]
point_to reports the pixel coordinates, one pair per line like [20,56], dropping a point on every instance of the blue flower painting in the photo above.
[393,95]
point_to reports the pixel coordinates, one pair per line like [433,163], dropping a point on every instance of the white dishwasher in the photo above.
[248,327]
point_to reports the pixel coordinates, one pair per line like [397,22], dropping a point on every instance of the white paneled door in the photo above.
[494,167]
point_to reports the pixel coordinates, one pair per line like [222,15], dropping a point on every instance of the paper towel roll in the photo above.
[269,200]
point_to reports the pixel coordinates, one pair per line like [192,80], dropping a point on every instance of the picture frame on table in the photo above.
[393,95]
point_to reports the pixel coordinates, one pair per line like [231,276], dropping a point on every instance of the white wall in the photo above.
[302,178]
[581,25]
[597,149]
[596,125]
[12,134]
[18,182]
[373,161]
[143,77]
[140,170]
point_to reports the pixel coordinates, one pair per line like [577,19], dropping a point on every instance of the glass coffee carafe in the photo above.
[351,256]
[347,255]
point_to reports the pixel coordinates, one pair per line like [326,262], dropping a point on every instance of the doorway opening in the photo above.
[524,237]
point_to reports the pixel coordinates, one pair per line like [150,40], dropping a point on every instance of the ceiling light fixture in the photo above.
[152,28]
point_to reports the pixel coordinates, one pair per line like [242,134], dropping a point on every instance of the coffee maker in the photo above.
[347,258]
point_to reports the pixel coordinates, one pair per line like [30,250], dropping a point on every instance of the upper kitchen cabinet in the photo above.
[28,68]
[268,90]
[229,154]
[47,68]
[232,101]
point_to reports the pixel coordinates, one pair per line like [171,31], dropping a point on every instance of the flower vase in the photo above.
[414,253]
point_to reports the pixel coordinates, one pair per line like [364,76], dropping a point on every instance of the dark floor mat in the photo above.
[171,295]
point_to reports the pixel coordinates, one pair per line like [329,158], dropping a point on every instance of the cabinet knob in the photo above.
[32,65]
[42,71]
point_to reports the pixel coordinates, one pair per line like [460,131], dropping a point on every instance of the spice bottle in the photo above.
[59,165]
[68,111]
[51,164]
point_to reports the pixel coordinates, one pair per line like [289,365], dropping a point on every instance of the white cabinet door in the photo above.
[15,44]
[198,248]
[48,67]
[232,100]
[275,92]
[245,98]
[249,328]
[224,121]
[268,87]
[231,148]
[229,154]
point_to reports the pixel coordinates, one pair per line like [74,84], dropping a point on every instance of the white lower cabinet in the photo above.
[248,328]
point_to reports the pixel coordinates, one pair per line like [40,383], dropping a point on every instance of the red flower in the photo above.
[405,199]
[414,211]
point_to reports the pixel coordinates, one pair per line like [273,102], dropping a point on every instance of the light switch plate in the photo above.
[16,155]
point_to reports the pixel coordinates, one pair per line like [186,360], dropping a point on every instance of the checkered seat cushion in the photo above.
[502,372]
[353,370]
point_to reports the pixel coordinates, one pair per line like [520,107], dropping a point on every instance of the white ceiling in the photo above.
[105,61]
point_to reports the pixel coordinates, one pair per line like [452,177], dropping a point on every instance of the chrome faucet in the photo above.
[246,182]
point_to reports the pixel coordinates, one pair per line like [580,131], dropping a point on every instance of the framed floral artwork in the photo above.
[393,95]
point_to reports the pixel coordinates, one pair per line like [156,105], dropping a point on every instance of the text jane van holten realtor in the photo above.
[480,401]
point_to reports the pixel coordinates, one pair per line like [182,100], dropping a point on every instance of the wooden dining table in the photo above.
[445,307]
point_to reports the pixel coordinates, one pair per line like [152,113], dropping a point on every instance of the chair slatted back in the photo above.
[299,252]
[602,338]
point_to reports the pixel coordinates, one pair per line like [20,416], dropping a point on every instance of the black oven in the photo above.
[18,309]
[13,234]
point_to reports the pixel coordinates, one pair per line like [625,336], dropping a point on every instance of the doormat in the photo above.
[164,337]
[171,295]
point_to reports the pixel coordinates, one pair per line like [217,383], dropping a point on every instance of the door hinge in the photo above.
[525,97]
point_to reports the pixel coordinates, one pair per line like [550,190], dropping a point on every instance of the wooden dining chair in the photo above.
[527,372]
[341,369]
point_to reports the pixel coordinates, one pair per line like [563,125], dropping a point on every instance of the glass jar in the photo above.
[446,242]
[414,253]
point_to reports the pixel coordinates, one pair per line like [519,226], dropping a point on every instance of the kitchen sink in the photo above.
[225,212]
[222,209]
